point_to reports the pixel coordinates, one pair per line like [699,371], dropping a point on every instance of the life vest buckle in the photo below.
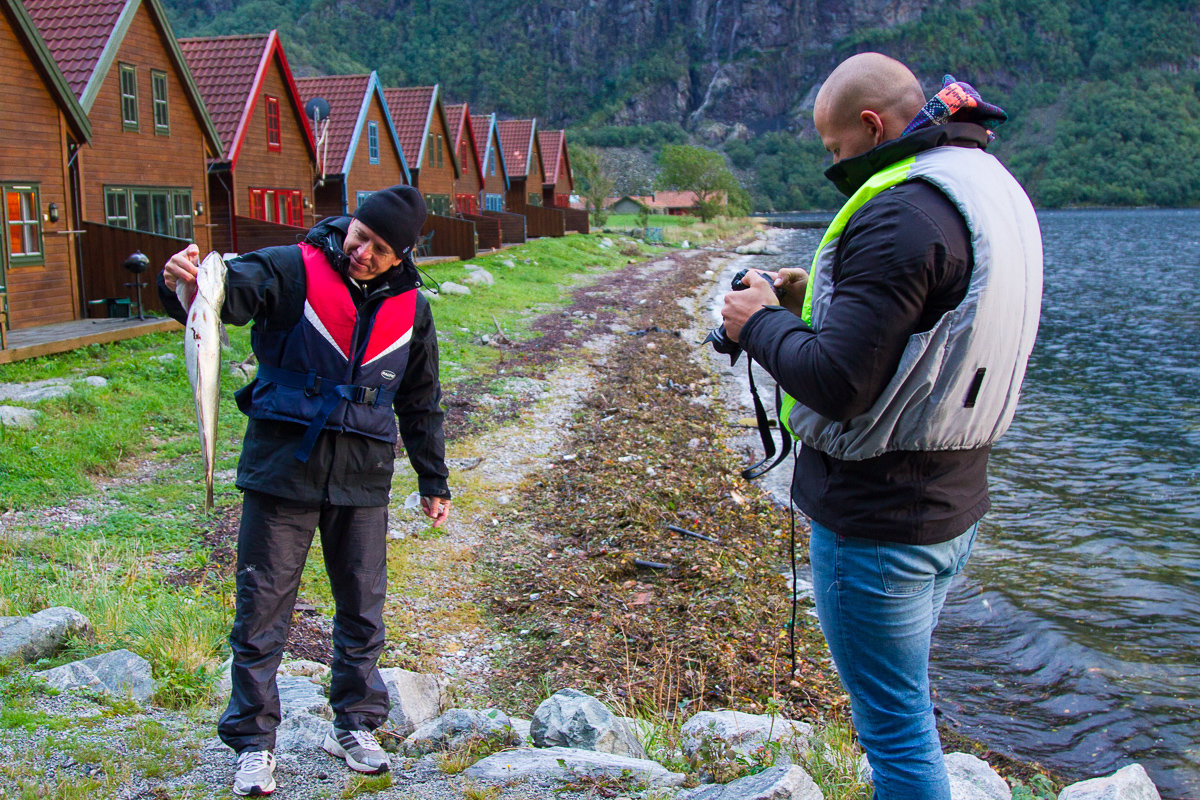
[313,387]
[366,395]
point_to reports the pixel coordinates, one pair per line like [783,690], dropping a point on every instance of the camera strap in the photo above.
[764,431]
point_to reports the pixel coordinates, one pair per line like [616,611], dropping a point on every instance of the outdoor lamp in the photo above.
[199,208]
[52,212]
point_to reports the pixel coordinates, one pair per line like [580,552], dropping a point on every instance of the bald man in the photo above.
[901,354]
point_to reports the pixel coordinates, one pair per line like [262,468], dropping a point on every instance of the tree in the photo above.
[696,169]
[595,184]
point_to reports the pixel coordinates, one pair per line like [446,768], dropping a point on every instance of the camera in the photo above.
[716,337]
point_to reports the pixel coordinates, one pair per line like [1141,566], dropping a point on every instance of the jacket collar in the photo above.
[328,235]
[852,173]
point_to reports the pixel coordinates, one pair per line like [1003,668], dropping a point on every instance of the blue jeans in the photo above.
[878,604]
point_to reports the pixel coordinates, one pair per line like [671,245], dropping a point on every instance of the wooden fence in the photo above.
[451,237]
[512,226]
[487,229]
[102,252]
[254,234]
[541,221]
[577,220]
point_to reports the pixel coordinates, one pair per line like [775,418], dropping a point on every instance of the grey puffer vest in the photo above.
[957,384]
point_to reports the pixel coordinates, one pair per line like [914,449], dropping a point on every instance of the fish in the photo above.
[202,351]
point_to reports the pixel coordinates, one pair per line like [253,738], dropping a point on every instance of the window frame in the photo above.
[372,141]
[159,77]
[274,125]
[24,258]
[130,117]
[178,201]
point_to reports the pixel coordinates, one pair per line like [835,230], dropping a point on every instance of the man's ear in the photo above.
[874,125]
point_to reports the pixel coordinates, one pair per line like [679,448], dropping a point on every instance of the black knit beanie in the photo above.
[395,214]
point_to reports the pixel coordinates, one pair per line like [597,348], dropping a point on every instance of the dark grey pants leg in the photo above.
[273,543]
[354,541]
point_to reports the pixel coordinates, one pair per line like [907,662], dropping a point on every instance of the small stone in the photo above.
[42,634]
[120,672]
[569,764]
[415,699]
[457,728]
[573,719]
[18,417]
[775,783]
[96,381]
[452,288]
[481,277]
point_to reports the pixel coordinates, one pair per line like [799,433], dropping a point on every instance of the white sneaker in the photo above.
[359,749]
[255,774]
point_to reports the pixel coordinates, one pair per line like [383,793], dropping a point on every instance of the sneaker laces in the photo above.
[366,739]
[254,760]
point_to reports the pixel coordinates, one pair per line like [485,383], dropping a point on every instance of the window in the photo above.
[494,202]
[274,141]
[373,142]
[535,199]
[162,117]
[22,224]
[165,211]
[361,197]
[129,98]
[431,145]
[284,206]
[440,147]
[438,204]
[494,159]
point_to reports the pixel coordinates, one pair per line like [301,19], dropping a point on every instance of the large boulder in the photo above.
[1128,783]
[776,783]
[302,695]
[42,634]
[569,764]
[459,728]
[718,734]
[119,672]
[301,731]
[573,719]
[972,778]
[415,699]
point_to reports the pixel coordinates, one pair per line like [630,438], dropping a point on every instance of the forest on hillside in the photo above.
[1103,95]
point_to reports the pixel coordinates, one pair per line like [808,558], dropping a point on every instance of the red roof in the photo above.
[553,143]
[345,94]
[76,32]
[516,137]
[410,108]
[224,68]
[482,125]
[229,71]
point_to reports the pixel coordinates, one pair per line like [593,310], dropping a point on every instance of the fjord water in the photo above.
[1073,639]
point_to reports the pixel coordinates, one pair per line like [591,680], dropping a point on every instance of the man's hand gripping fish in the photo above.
[202,350]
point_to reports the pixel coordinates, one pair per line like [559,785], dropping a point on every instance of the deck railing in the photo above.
[541,221]
[487,229]
[255,234]
[512,226]
[102,252]
[451,236]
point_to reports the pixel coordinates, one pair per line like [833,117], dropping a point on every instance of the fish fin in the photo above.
[224,334]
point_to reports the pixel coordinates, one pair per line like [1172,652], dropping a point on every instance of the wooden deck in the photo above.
[44,340]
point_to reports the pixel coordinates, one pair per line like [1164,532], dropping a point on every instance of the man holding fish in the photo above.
[346,349]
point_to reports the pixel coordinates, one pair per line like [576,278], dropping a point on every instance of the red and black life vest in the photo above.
[334,370]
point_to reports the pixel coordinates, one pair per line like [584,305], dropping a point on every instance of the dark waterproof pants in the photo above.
[273,544]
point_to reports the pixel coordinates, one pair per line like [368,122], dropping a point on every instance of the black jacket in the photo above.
[268,287]
[903,260]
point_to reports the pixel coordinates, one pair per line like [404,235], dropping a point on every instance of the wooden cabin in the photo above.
[142,175]
[491,161]
[560,183]
[469,185]
[261,188]
[523,155]
[420,120]
[38,280]
[358,151]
